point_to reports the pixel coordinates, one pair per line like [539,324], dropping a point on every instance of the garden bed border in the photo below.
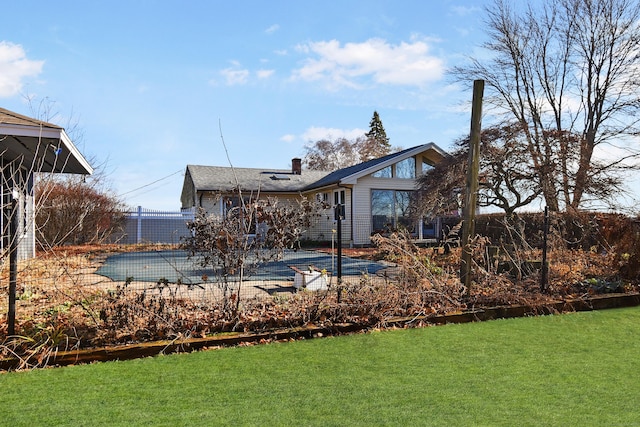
[184,345]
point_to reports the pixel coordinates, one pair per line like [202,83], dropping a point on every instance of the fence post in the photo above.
[13,265]
[544,269]
[139,229]
[339,216]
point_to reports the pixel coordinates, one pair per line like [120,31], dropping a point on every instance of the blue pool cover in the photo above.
[154,266]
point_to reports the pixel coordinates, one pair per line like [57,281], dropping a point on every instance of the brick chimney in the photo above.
[296,166]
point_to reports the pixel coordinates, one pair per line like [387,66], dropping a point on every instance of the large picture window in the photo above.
[390,210]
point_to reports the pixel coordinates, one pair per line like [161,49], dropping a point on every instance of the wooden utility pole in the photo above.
[471,194]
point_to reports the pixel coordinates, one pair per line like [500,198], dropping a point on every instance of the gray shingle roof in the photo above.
[217,178]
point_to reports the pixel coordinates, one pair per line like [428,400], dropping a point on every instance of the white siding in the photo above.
[362,202]
[212,202]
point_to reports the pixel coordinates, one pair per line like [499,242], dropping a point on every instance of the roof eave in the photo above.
[73,150]
[68,160]
[353,178]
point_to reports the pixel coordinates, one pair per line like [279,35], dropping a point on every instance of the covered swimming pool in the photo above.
[175,266]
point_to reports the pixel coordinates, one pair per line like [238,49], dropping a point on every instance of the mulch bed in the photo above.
[182,345]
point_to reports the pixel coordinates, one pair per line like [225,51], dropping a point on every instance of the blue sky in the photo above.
[150,83]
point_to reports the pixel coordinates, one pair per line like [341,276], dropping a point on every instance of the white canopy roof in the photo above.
[39,146]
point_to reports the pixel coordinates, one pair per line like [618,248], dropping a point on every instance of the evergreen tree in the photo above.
[376,143]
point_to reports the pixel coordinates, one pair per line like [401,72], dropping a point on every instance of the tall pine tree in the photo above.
[376,143]
[340,153]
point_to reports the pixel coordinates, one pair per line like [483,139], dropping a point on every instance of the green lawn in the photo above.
[574,369]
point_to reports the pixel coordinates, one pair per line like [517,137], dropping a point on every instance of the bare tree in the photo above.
[441,189]
[568,73]
[332,155]
[342,153]
[236,244]
[507,179]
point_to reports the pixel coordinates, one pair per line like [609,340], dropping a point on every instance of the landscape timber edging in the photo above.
[136,351]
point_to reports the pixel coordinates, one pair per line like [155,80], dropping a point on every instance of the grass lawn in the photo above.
[574,369]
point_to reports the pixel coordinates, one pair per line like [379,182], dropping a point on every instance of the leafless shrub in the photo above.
[75,211]
[246,237]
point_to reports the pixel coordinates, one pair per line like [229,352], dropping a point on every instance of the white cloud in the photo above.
[317,133]
[352,64]
[272,29]
[264,74]
[14,68]
[234,76]
[288,138]
[465,10]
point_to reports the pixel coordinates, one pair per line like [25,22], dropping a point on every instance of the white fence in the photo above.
[151,226]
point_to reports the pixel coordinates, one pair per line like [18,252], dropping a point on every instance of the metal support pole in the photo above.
[339,216]
[471,195]
[139,226]
[13,267]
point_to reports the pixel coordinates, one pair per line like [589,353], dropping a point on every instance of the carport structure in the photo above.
[28,147]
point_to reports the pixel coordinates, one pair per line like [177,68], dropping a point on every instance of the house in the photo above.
[375,194]
[30,147]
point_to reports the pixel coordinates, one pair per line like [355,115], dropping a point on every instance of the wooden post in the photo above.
[471,195]
[544,269]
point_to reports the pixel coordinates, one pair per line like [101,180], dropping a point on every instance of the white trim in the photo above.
[33,131]
[45,132]
[75,152]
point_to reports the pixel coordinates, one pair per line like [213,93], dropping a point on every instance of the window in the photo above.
[426,166]
[228,203]
[390,209]
[339,200]
[406,169]
[383,173]
[322,197]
